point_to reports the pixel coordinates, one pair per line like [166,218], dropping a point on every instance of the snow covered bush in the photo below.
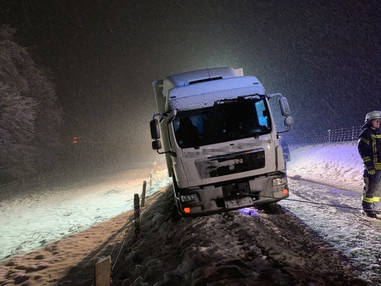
[30,118]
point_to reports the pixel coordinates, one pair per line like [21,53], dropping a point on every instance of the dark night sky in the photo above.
[103,55]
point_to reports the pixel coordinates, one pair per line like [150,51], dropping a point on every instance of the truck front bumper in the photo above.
[217,198]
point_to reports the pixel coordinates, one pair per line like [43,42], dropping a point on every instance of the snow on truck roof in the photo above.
[204,94]
[197,76]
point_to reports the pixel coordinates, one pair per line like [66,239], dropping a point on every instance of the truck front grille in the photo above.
[231,163]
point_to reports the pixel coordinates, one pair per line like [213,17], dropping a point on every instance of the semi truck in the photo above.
[221,145]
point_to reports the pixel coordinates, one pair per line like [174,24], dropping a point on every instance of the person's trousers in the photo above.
[372,190]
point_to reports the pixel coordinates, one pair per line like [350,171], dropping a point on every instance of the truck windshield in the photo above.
[227,120]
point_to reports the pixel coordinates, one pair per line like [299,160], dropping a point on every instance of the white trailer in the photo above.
[220,140]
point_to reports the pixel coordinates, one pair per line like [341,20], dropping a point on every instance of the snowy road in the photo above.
[342,226]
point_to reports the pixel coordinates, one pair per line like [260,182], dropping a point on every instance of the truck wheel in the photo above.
[270,208]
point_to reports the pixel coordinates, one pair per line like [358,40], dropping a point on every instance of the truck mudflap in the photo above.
[253,191]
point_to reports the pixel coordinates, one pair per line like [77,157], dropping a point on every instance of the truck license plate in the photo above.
[239,202]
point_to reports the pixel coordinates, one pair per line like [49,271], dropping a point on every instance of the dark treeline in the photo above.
[30,119]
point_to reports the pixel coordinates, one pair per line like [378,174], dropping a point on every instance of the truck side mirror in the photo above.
[288,121]
[156,145]
[284,107]
[155,131]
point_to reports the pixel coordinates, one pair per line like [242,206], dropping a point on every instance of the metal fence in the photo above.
[330,135]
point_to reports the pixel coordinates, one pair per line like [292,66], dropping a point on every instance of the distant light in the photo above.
[187,210]
[75,140]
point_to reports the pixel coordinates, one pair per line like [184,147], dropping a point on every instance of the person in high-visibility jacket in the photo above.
[369,147]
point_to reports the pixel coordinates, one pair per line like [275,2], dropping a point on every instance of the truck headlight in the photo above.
[279,181]
[188,198]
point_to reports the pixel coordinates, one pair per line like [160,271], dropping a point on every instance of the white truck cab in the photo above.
[220,140]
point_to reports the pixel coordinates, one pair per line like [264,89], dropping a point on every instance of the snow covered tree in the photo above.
[30,119]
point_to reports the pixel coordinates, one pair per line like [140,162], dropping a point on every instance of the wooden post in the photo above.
[144,193]
[150,179]
[102,271]
[137,214]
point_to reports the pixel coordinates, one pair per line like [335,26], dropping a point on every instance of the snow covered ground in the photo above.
[334,212]
[335,164]
[35,217]
[42,216]
[52,213]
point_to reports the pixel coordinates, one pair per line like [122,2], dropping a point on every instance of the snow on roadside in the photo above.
[334,164]
[333,212]
[36,218]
